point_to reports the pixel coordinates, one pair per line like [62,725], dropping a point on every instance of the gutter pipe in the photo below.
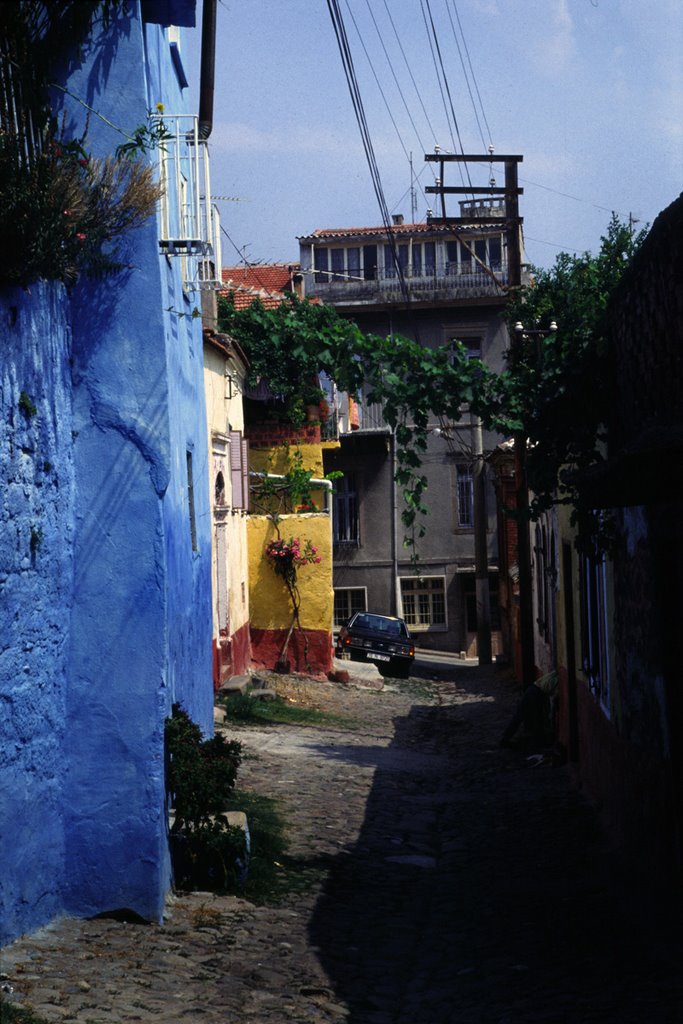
[208,69]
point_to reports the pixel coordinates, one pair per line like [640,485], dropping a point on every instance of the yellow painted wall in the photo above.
[271,606]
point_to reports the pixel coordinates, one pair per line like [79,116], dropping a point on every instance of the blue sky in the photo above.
[590,92]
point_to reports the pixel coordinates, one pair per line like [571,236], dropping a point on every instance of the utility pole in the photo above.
[510,192]
[481,556]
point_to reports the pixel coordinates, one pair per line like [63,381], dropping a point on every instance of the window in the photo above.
[595,628]
[430,257]
[239,470]
[219,490]
[346,510]
[390,261]
[347,602]
[190,501]
[321,266]
[465,496]
[369,262]
[353,262]
[337,257]
[424,601]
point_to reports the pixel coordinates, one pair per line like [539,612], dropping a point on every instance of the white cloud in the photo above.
[554,47]
[236,137]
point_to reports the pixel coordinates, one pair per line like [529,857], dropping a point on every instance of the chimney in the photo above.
[397,219]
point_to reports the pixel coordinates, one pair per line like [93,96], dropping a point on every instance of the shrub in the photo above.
[207,852]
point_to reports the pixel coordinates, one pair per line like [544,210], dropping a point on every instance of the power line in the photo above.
[417,91]
[391,68]
[474,79]
[466,77]
[379,86]
[357,102]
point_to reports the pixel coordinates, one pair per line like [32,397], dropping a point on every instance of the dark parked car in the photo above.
[379,638]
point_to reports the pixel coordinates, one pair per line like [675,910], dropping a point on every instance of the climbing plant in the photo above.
[63,212]
[554,391]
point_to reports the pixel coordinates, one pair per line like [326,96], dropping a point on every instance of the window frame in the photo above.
[411,583]
[363,591]
[464,469]
[346,494]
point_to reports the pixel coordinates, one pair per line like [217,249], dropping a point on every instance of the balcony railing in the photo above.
[449,281]
[190,226]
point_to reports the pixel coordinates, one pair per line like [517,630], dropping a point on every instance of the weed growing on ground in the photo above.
[410,688]
[250,710]
[10,1014]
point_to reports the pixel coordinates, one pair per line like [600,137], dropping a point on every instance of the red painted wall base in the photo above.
[231,655]
[266,645]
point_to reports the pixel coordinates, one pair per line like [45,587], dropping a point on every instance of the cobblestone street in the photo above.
[454,883]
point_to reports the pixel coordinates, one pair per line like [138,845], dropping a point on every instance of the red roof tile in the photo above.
[267,282]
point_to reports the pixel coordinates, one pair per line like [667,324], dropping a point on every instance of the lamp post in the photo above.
[526,613]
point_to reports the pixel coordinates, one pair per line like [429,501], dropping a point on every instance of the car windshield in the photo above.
[380,624]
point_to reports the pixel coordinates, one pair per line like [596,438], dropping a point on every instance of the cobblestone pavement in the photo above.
[457,883]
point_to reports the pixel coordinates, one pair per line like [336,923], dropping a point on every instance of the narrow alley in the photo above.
[452,882]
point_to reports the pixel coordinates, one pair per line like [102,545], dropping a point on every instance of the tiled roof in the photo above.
[269,277]
[396,229]
[266,282]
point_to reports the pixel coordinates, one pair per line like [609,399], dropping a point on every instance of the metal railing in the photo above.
[17,119]
[190,225]
[446,280]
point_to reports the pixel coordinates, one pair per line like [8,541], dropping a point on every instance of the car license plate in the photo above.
[379,657]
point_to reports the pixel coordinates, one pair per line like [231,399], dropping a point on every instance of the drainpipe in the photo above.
[395,589]
[208,69]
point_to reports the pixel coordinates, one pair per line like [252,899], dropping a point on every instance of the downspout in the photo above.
[395,589]
[208,69]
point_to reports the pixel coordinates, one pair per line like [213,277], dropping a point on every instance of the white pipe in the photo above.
[325,484]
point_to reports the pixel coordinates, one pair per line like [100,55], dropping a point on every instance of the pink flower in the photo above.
[81,236]
[318,560]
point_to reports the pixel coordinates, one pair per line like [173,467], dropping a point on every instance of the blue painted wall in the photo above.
[135,617]
[36,559]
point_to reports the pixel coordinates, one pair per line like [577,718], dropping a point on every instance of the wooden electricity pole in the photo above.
[510,193]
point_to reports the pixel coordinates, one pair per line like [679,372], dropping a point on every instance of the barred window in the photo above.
[465,496]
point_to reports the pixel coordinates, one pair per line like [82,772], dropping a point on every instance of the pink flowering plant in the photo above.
[286,556]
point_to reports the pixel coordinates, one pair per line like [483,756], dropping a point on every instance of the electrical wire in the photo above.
[466,76]
[359,111]
[448,90]
[412,78]
[391,68]
[474,79]
[379,86]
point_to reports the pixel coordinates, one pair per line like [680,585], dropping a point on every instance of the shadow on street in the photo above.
[481,889]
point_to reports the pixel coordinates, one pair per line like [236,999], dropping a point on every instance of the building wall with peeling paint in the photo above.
[271,604]
[105,612]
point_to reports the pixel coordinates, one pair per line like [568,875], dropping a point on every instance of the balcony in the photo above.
[190,227]
[446,282]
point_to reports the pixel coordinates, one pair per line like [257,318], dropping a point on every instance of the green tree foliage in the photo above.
[288,347]
[556,388]
[553,391]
